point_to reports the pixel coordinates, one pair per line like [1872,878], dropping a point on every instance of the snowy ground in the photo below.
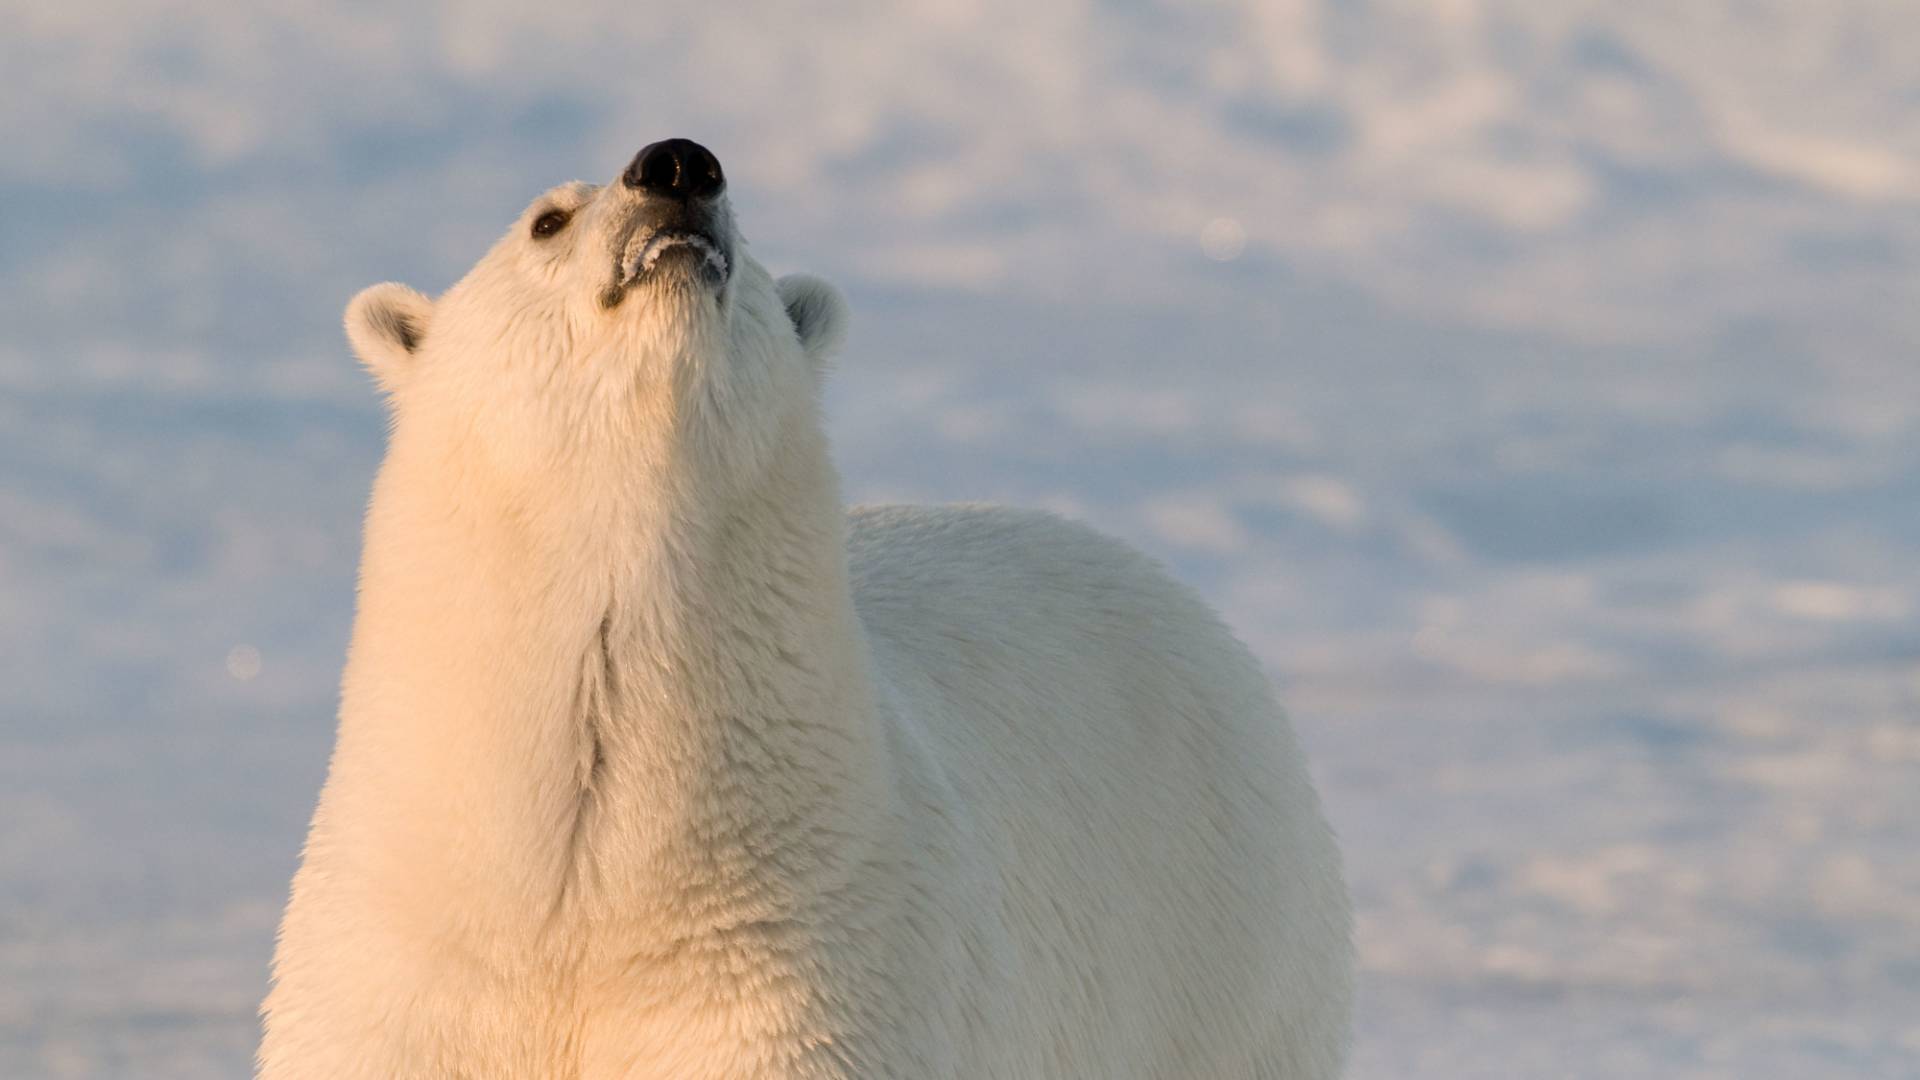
[1534,385]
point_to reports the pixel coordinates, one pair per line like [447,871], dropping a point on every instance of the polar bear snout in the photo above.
[675,221]
[675,169]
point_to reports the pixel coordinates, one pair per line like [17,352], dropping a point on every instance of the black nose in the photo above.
[677,169]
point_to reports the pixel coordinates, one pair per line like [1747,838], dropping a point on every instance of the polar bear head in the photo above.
[617,331]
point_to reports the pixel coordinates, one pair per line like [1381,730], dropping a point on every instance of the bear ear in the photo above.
[386,324]
[818,312]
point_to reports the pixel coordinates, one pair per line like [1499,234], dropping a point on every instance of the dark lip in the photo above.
[642,255]
[638,262]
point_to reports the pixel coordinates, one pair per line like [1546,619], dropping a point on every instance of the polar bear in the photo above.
[655,762]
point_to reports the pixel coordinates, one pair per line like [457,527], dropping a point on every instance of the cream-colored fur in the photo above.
[653,762]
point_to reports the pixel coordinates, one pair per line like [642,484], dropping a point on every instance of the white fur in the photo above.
[654,763]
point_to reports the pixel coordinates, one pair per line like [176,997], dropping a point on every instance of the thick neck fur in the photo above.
[639,709]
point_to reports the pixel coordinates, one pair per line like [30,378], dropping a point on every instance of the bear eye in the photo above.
[549,223]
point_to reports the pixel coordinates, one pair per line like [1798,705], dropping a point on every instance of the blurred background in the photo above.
[1534,384]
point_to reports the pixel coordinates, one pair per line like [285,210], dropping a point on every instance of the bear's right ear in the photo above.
[386,324]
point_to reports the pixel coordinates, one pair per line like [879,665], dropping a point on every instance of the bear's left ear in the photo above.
[818,312]
[386,324]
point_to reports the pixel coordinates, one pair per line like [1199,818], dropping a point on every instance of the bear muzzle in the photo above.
[678,224]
